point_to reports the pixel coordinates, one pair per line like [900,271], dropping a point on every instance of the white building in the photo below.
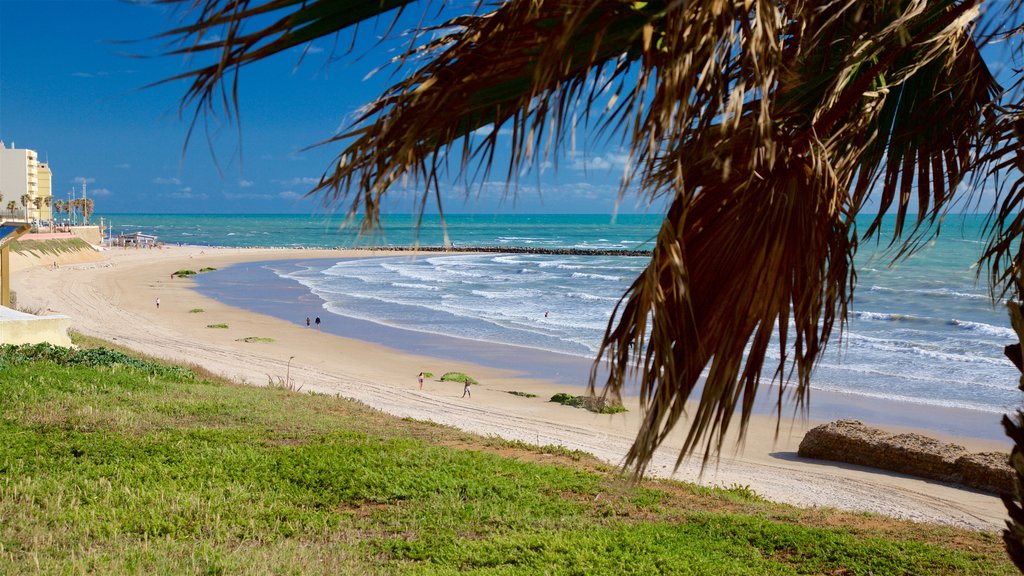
[19,175]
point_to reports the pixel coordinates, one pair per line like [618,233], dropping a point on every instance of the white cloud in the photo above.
[247,196]
[290,195]
[187,194]
[607,161]
[104,192]
[301,181]
[245,183]
[82,180]
[485,131]
[162,181]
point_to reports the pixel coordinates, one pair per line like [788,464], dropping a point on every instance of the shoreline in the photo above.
[947,422]
[114,299]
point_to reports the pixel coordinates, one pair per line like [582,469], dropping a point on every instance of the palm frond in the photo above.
[768,125]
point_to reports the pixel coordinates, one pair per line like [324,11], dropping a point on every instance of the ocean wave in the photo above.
[593,297]
[982,328]
[596,276]
[416,286]
[887,317]
[934,292]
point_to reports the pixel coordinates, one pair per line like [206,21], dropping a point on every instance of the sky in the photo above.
[76,85]
[73,87]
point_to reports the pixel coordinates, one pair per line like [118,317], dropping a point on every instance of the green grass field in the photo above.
[111,465]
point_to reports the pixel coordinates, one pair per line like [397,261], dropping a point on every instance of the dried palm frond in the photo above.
[769,126]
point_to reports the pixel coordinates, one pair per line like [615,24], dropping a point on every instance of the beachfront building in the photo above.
[19,177]
[44,212]
[22,175]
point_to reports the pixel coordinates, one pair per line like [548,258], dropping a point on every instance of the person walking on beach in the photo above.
[307,321]
[157,303]
[420,380]
[465,390]
[317,322]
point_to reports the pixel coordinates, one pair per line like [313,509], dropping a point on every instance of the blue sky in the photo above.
[71,89]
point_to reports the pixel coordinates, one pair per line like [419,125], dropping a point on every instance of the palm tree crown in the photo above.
[766,126]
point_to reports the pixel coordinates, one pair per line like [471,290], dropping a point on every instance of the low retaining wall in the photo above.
[852,442]
[21,328]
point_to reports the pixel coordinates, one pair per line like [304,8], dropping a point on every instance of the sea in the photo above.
[924,331]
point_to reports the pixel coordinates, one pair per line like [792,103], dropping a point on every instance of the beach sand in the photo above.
[115,298]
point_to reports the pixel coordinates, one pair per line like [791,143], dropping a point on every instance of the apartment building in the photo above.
[22,174]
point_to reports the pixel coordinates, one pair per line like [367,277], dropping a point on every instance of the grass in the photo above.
[523,394]
[457,377]
[50,247]
[112,465]
[196,310]
[254,339]
[592,403]
[217,325]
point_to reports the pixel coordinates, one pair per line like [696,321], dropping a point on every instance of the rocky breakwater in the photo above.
[852,442]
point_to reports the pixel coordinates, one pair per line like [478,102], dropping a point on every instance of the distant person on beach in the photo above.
[307,321]
[420,380]
[317,322]
[158,303]
[465,390]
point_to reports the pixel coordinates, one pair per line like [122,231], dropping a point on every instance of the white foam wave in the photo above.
[982,328]
[596,276]
[886,317]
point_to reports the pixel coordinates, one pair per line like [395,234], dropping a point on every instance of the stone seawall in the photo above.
[508,250]
[852,442]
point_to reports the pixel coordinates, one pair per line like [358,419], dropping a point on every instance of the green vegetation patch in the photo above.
[216,325]
[207,269]
[456,377]
[255,339]
[51,246]
[113,464]
[523,394]
[196,311]
[592,403]
[185,272]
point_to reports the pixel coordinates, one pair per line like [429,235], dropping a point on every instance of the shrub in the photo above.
[216,325]
[196,310]
[592,403]
[185,272]
[254,339]
[562,398]
[523,394]
[208,269]
[456,377]
[91,357]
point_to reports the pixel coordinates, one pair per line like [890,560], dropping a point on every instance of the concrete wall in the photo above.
[90,234]
[20,328]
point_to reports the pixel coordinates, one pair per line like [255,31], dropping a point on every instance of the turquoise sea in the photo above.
[924,331]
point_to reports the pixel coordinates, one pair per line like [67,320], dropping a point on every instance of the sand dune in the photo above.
[114,298]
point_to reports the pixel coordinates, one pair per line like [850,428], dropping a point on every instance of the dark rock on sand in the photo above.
[852,442]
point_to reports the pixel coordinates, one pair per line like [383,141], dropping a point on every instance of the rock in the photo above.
[989,471]
[852,442]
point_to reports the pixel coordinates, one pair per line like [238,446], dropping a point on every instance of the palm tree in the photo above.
[25,200]
[86,207]
[766,126]
[48,201]
[11,206]
[58,208]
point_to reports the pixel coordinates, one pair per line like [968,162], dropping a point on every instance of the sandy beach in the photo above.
[114,297]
